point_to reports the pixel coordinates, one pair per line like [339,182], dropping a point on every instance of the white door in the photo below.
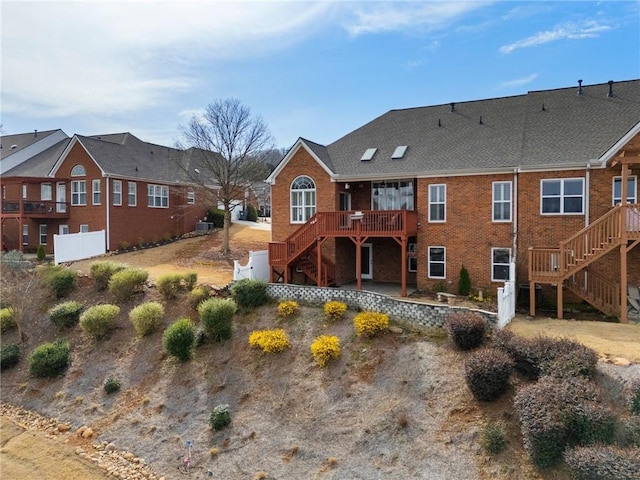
[61,198]
[367,261]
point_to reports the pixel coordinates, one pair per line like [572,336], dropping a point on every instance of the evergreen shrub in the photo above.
[197,295]
[179,339]
[101,271]
[466,329]
[464,282]
[9,355]
[487,373]
[249,293]
[7,321]
[169,285]
[60,281]
[492,437]
[216,216]
[49,359]
[603,462]
[146,317]
[370,324]
[98,321]
[66,314]
[216,316]
[220,417]
[40,253]
[125,283]
[111,384]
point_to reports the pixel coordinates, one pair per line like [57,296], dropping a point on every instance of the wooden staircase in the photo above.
[308,263]
[567,264]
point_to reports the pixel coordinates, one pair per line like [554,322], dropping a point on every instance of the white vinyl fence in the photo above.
[507,299]
[257,268]
[78,246]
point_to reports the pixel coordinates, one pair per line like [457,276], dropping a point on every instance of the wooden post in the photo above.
[532,299]
[561,270]
[559,300]
[403,256]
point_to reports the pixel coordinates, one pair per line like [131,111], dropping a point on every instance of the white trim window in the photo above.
[117,192]
[191,197]
[79,192]
[437,203]
[46,191]
[562,196]
[501,202]
[632,189]
[84,228]
[24,191]
[132,194]
[437,262]
[158,196]
[42,233]
[78,171]
[303,199]
[392,195]
[96,192]
[25,234]
[500,264]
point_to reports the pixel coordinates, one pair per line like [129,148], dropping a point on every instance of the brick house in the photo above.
[137,192]
[547,180]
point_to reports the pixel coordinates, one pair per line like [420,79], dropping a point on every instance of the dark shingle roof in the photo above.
[21,141]
[40,164]
[493,134]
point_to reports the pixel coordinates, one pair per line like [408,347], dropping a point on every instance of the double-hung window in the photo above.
[500,261]
[303,199]
[437,262]
[46,191]
[25,234]
[117,192]
[562,196]
[79,192]
[191,197]
[158,196]
[437,203]
[632,190]
[95,189]
[501,202]
[132,194]
[43,234]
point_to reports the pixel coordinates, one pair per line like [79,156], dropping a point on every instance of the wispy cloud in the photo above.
[376,17]
[518,82]
[568,31]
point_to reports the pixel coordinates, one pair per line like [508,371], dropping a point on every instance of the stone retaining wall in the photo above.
[404,310]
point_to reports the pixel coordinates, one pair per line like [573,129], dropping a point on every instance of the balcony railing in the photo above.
[35,209]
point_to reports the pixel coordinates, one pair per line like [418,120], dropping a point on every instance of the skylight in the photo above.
[399,152]
[368,154]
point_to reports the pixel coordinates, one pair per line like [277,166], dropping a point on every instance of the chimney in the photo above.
[610,94]
[453,107]
[579,87]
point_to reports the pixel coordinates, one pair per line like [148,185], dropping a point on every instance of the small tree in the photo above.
[464,283]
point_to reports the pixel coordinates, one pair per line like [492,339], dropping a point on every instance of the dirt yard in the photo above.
[396,406]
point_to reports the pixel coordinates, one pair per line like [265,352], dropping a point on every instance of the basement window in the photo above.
[368,154]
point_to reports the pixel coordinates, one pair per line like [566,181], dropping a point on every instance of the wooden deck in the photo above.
[34,209]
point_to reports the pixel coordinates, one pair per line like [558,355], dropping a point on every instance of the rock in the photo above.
[621,362]
[110,447]
[81,430]
[394,329]
[129,456]
[64,427]
[87,433]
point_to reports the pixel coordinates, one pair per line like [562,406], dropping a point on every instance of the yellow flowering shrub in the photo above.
[334,310]
[270,341]
[324,348]
[370,323]
[287,308]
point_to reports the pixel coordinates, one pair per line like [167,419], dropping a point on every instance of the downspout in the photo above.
[515,215]
[107,213]
[587,188]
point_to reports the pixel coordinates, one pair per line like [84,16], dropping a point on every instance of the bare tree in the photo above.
[18,290]
[225,146]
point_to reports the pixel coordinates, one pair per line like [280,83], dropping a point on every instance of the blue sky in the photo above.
[310,69]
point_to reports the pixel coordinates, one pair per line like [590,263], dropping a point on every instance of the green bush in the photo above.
[628,431]
[190,280]
[49,359]
[633,396]
[169,285]
[125,283]
[220,417]
[146,317]
[197,295]
[102,271]
[40,253]
[249,293]
[487,373]
[216,217]
[556,413]
[97,322]
[111,384]
[492,437]
[60,281]
[179,339]
[464,283]
[466,329]
[65,315]
[252,213]
[601,462]
[7,322]
[216,316]
[9,355]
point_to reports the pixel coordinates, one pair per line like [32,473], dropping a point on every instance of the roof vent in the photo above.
[480,120]
[13,147]
[439,123]
[543,108]
[368,154]
[453,107]
[399,152]
[610,94]
[579,87]
[35,133]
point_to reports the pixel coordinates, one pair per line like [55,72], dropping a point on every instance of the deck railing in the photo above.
[40,208]
[597,290]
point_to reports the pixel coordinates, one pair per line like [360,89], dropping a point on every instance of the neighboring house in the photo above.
[415,194]
[137,192]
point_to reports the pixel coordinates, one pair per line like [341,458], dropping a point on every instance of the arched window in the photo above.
[78,171]
[303,199]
